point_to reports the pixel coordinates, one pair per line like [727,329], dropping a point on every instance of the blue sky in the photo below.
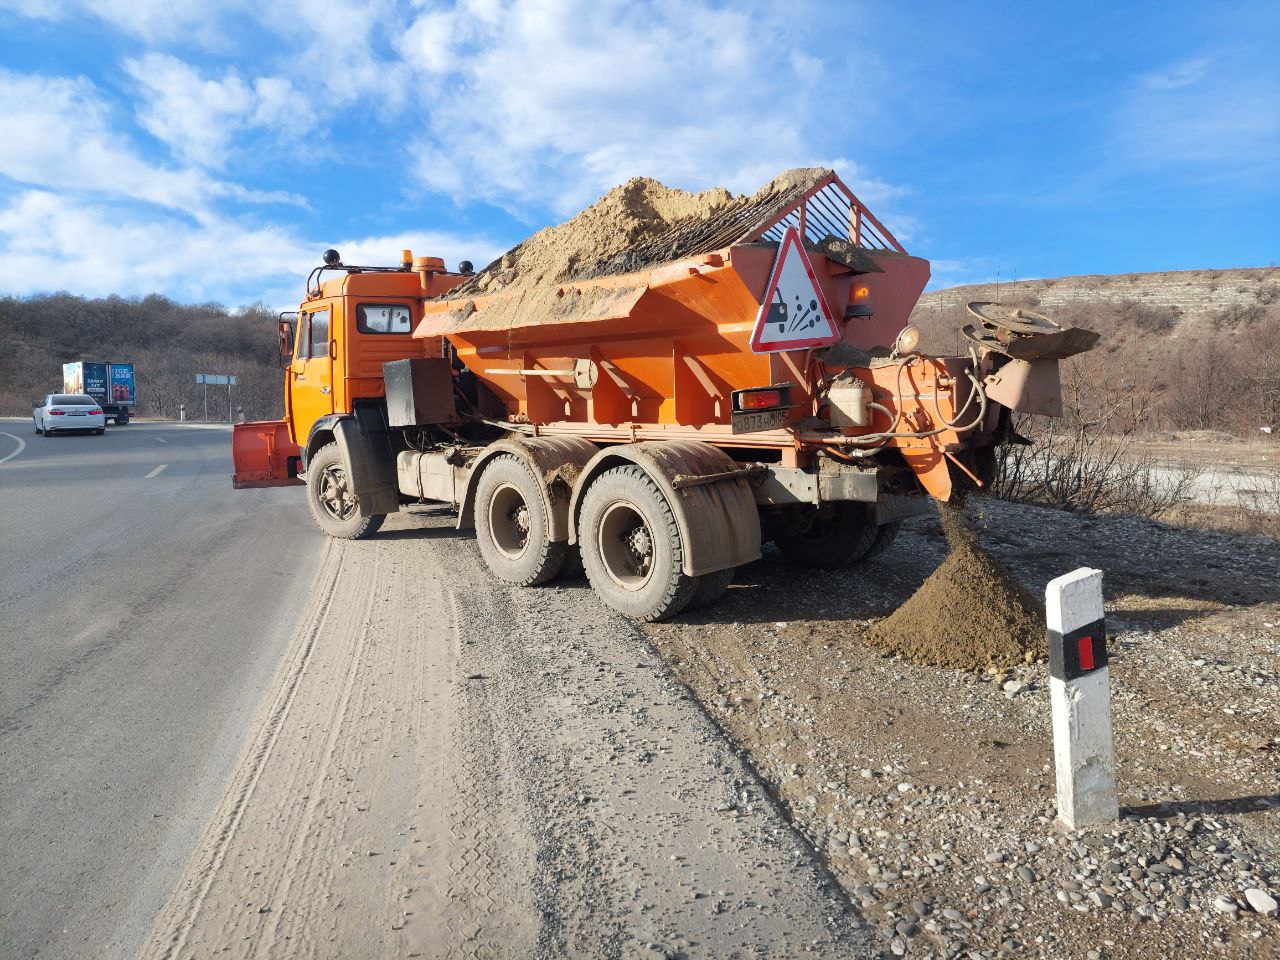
[211,151]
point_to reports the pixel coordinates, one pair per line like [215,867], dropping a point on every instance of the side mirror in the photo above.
[285,333]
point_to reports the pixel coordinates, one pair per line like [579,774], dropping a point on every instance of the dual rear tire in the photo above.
[629,543]
[512,525]
[631,546]
[833,536]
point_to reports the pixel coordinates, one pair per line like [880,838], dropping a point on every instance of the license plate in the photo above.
[755,421]
[74,414]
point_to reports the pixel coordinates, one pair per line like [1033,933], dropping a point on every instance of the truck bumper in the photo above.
[263,455]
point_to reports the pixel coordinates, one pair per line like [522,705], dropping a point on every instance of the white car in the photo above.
[64,412]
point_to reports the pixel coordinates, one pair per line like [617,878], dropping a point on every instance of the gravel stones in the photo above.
[981,764]
[1225,905]
[1262,902]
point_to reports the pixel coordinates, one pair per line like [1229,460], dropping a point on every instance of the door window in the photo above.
[320,333]
[301,337]
[382,318]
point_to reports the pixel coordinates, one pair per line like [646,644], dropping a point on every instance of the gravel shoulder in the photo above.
[445,767]
[931,792]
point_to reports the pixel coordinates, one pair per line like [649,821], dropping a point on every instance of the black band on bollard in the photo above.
[1078,652]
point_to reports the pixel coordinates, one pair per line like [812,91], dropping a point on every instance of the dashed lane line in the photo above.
[155,472]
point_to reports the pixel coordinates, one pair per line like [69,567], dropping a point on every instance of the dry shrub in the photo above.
[1085,461]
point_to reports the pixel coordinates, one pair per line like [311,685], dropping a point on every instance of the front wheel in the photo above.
[827,537]
[332,502]
[631,546]
[37,427]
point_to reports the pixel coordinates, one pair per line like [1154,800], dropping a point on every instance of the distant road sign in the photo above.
[216,379]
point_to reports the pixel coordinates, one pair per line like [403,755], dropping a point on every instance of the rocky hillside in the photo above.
[1199,348]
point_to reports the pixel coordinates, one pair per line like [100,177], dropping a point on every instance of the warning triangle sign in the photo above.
[794,314]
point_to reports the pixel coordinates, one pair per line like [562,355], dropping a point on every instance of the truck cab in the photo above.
[332,353]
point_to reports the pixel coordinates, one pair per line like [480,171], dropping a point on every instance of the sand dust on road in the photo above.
[449,768]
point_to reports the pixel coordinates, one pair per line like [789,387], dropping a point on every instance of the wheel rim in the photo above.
[509,521]
[336,498]
[626,545]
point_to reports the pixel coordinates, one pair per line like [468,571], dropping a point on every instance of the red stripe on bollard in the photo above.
[1086,653]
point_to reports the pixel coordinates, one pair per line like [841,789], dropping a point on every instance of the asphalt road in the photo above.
[145,607]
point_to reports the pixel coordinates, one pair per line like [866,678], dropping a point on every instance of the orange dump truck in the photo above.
[741,376]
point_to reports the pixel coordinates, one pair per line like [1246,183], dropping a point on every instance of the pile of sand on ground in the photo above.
[970,614]
[605,237]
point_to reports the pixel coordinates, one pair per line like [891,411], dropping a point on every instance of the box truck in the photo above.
[111,384]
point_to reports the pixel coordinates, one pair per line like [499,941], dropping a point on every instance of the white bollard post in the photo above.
[1080,692]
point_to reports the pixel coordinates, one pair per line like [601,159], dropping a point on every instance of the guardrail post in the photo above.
[1080,693]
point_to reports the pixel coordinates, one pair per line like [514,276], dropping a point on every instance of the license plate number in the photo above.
[755,421]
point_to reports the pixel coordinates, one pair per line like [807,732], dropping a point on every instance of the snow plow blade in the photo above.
[263,455]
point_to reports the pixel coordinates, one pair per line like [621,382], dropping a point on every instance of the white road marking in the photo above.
[155,472]
[22,445]
[159,439]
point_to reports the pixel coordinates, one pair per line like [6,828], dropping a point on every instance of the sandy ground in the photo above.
[931,791]
[446,768]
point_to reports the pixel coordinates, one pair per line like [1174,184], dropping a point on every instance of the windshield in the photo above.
[72,400]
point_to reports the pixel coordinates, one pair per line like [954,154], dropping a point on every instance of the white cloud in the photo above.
[1215,118]
[60,134]
[552,102]
[199,117]
[336,52]
[451,247]
[189,20]
[50,242]
[1178,75]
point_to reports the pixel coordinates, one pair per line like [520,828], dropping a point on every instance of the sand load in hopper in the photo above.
[660,384]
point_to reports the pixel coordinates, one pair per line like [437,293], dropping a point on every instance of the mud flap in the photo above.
[263,455]
[370,462]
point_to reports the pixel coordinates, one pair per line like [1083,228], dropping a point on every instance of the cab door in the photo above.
[311,374]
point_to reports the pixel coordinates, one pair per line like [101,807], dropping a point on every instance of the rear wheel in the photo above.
[331,500]
[512,526]
[631,546]
[100,431]
[711,587]
[886,533]
[827,537]
[48,431]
